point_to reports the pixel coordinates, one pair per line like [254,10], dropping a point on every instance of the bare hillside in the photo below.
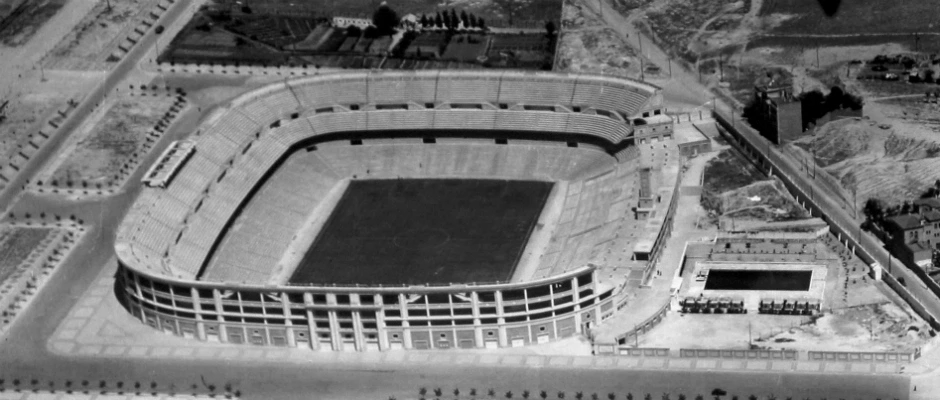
[878,160]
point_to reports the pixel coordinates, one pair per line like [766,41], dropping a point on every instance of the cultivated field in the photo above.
[20,26]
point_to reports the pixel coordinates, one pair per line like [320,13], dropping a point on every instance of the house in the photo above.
[913,237]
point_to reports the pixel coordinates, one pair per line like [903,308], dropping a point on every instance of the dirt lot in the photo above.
[92,39]
[106,142]
[15,244]
[892,163]
[587,46]
[852,17]
[19,27]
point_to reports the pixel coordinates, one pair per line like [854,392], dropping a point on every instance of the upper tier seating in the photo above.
[239,146]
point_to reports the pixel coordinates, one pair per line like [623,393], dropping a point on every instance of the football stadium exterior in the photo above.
[196,191]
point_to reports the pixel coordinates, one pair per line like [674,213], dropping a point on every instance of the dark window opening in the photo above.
[429,140]
[502,141]
[356,142]
[572,144]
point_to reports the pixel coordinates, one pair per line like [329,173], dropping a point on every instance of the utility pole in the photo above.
[817,55]
[750,341]
[721,69]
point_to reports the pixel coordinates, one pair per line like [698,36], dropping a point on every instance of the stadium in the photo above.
[395,210]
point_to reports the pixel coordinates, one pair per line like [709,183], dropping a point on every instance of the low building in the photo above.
[913,238]
[345,22]
[691,140]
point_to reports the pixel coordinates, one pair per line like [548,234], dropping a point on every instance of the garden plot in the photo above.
[110,143]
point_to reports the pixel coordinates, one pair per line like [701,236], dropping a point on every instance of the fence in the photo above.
[740,354]
[871,357]
[645,326]
[610,349]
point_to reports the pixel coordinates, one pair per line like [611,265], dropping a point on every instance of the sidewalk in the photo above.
[646,302]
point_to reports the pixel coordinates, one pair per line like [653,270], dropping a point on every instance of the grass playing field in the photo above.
[417,231]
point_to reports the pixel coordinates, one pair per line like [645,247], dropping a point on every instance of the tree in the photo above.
[550,29]
[629,396]
[561,394]
[447,21]
[579,395]
[873,210]
[752,397]
[473,21]
[509,7]
[648,397]
[353,31]
[718,392]
[424,21]
[423,391]
[456,392]
[699,397]
[465,19]
[454,19]
[481,23]
[385,19]
[666,396]
[438,21]
[526,394]
[438,392]
[509,394]
[611,396]
[543,394]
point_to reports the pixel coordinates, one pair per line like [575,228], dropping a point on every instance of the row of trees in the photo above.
[815,105]
[717,393]
[452,21]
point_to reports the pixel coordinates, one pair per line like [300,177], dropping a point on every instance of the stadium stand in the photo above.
[206,222]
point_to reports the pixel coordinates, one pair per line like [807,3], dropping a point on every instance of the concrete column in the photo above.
[357,332]
[500,320]
[288,324]
[576,297]
[477,328]
[335,337]
[197,309]
[406,326]
[311,325]
[380,322]
[223,326]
